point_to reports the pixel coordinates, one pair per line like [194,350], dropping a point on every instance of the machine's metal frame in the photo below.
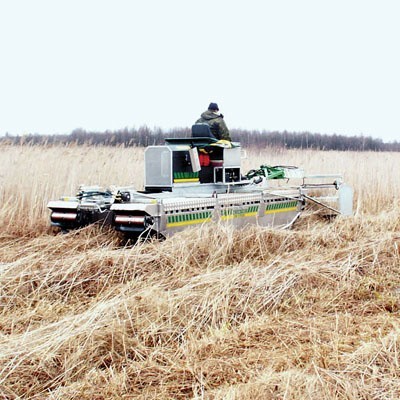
[180,193]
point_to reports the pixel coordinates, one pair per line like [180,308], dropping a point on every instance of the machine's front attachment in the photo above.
[65,214]
[90,205]
[73,215]
[134,221]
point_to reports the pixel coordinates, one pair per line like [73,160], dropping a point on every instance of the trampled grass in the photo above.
[210,313]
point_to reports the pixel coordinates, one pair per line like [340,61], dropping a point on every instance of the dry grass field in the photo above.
[212,313]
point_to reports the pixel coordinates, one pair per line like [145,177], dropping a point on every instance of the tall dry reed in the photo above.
[31,176]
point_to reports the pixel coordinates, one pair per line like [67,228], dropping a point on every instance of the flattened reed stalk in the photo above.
[211,313]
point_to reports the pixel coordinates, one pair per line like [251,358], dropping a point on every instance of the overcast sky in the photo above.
[297,65]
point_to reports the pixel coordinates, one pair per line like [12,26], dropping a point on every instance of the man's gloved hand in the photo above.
[223,143]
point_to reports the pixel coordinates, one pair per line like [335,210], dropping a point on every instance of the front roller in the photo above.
[65,215]
[135,220]
[69,215]
[91,204]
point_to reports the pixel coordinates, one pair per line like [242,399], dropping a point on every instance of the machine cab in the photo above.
[200,159]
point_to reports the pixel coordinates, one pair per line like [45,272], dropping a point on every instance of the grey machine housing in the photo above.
[198,180]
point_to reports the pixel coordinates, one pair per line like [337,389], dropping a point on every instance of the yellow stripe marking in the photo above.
[190,222]
[281,210]
[231,216]
[186,180]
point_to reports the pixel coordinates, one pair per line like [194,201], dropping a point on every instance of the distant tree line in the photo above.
[307,140]
[144,136]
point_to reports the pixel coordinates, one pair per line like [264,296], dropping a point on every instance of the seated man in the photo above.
[215,120]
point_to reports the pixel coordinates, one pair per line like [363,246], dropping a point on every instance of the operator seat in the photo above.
[202,130]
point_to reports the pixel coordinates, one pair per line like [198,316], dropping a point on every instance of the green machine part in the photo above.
[268,171]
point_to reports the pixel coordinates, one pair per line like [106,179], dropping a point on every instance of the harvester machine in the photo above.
[197,180]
